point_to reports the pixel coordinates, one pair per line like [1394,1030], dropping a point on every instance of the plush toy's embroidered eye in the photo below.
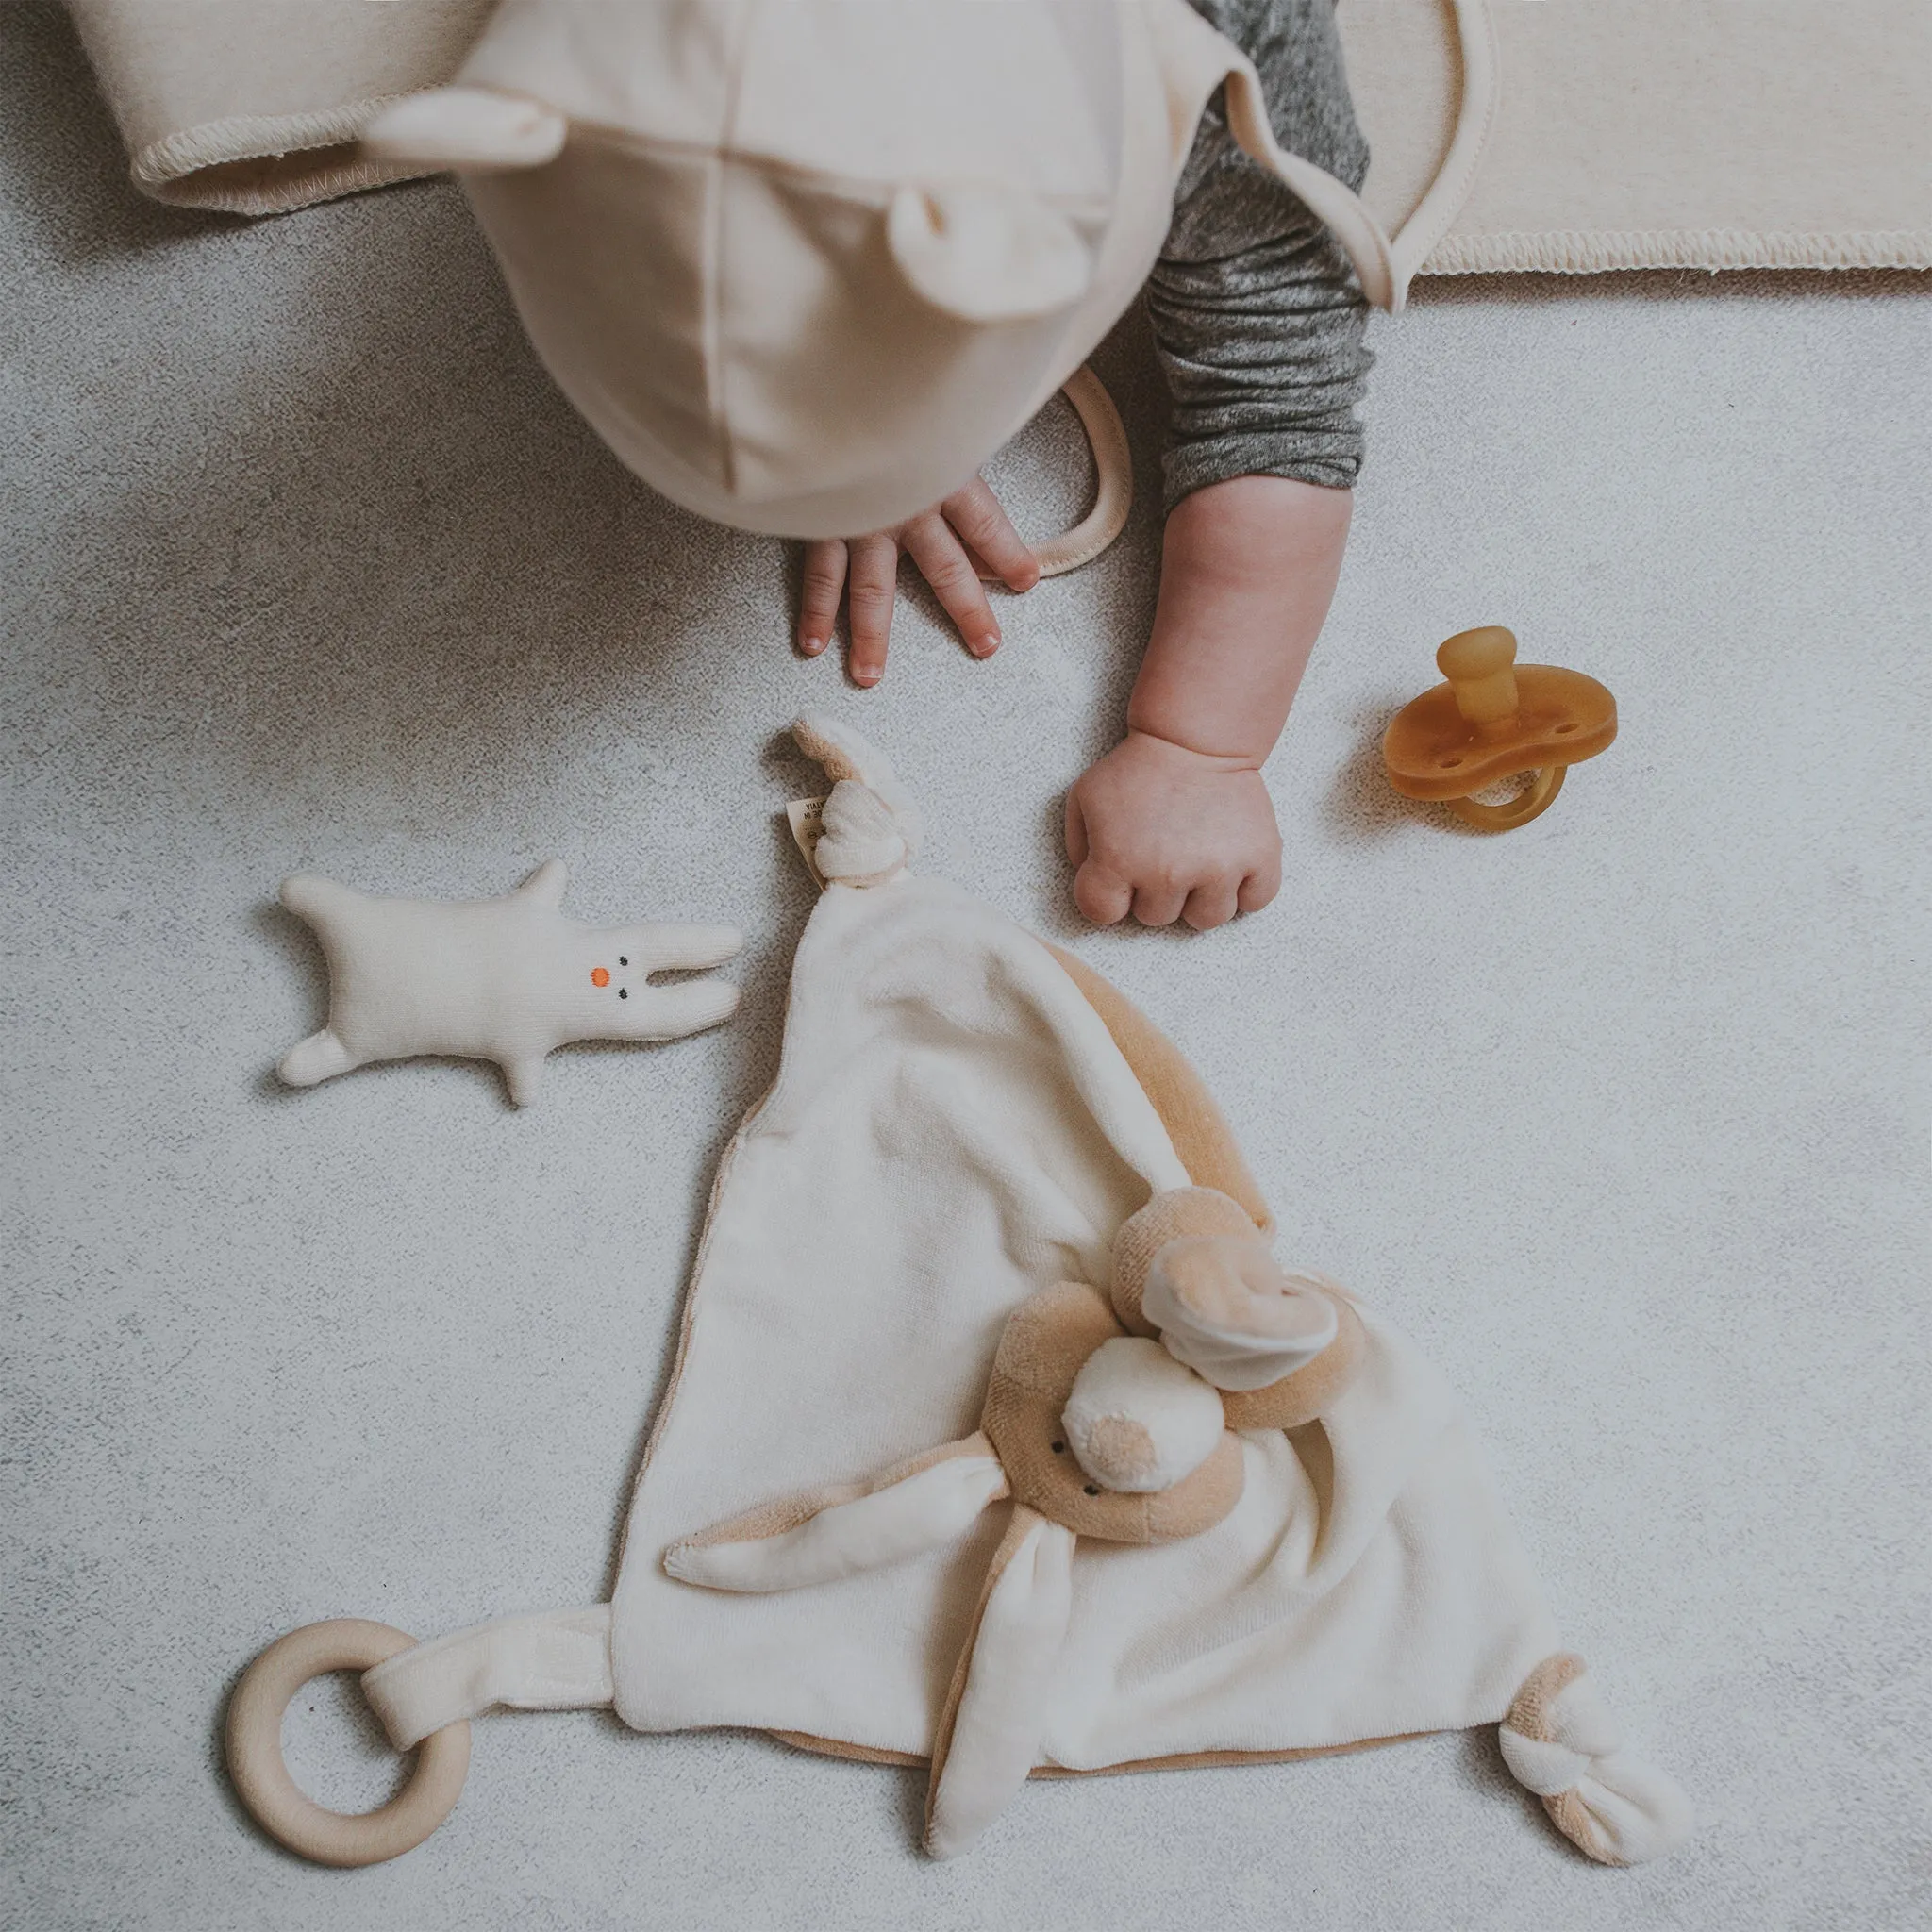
[622,960]
[623,993]
[599,976]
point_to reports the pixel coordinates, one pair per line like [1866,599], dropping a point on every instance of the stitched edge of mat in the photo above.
[1580,251]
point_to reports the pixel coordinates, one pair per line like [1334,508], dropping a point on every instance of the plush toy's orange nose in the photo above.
[599,976]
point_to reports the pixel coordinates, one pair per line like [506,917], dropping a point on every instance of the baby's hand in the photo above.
[949,542]
[1169,833]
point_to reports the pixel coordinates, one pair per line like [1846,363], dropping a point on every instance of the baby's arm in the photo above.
[1175,823]
[1259,326]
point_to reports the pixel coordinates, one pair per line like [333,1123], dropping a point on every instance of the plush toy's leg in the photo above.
[523,1078]
[1561,1743]
[321,1057]
[996,1714]
[827,1534]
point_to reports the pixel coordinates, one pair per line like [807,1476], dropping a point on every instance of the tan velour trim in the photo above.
[1179,1760]
[1194,1123]
[1529,1714]
[1529,1711]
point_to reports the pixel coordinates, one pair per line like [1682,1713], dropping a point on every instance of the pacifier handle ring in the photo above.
[1532,803]
[279,1805]
[1113,470]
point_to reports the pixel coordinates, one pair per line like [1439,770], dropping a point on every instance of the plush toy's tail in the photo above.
[1561,1743]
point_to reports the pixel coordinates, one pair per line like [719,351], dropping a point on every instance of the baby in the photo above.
[1259,328]
[804,267]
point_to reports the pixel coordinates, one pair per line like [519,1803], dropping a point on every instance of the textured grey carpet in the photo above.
[305,565]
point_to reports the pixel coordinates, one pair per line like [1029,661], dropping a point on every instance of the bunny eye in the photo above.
[623,993]
[622,960]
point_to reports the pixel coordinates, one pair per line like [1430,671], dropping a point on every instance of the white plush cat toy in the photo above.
[503,979]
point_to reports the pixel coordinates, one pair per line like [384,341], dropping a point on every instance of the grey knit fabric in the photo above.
[1256,316]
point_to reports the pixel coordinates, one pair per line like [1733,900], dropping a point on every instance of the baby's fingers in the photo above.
[976,513]
[1260,886]
[1102,896]
[955,582]
[819,594]
[1211,904]
[873,583]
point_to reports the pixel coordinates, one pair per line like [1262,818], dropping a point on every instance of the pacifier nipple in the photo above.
[1480,666]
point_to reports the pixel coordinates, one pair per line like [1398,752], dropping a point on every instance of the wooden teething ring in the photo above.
[279,1805]
[1113,469]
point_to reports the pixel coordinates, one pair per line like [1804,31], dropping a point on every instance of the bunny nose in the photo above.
[599,976]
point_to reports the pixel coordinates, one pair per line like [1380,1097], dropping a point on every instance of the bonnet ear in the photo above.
[466,127]
[987,253]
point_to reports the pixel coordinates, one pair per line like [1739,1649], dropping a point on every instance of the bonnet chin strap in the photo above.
[1197,59]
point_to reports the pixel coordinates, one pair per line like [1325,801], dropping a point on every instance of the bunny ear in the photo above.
[466,127]
[995,1712]
[987,253]
[829,1533]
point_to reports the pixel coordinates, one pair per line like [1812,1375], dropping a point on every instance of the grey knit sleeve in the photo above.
[1256,315]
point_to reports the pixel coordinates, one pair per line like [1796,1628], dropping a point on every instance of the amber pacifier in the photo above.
[1495,720]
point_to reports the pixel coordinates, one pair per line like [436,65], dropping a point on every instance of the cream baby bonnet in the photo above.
[806,264]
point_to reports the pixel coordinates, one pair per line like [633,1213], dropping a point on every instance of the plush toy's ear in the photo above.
[986,253]
[466,127]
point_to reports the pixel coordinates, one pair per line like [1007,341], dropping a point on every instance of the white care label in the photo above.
[807,817]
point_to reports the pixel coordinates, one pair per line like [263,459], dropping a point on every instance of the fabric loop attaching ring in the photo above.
[279,1805]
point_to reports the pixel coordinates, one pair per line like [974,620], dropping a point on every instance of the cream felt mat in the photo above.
[254,107]
[1719,134]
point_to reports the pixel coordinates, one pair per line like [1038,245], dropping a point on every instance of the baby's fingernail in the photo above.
[868,675]
[811,645]
[985,647]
